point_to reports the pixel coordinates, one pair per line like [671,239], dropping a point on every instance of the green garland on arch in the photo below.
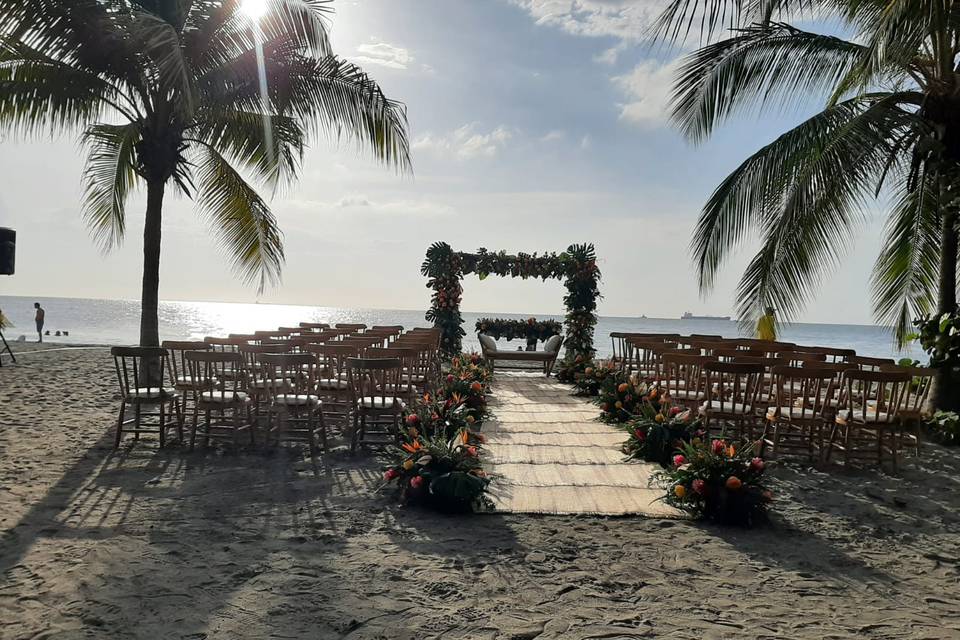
[577,267]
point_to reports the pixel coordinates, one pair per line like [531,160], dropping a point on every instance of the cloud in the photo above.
[586,142]
[647,91]
[467,142]
[353,201]
[623,19]
[361,204]
[383,54]
[554,135]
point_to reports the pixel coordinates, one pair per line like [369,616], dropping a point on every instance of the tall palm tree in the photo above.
[889,134]
[169,93]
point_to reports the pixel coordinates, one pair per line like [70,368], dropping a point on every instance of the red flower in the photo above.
[476,387]
[699,486]
[641,436]
[450,378]
[674,411]
[718,446]
[757,464]
[678,460]
[390,474]
[413,420]
[416,482]
[472,451]
[734,483]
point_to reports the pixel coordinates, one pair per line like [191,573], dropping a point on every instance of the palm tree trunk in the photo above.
[149,318]
[947,389]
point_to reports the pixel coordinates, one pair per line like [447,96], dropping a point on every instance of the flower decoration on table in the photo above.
[509,329]
[657,433]
[719,481]
[577,267]
[438,462]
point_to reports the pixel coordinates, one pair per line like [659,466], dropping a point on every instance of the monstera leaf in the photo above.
[458,486]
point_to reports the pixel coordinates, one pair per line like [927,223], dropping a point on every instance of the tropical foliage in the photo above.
[170,96]
[656,434]
[940,338]
[717,481]
[445,268]
[944,427]
[890,129]
[438,462]
[531,328]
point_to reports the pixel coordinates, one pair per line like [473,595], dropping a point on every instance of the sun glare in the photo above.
[254,9]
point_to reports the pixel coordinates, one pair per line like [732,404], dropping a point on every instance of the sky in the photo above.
[534,124]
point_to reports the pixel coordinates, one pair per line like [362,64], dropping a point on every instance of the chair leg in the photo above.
[136,421]
[123,409]
[160,416]
[193,427]
[206,428]
[179,413]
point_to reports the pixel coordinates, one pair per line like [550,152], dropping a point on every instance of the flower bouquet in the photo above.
[656,434]
[716,481]
[445,474]
[622,397]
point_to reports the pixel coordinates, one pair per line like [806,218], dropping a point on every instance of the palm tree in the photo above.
[889,133]
[170,93]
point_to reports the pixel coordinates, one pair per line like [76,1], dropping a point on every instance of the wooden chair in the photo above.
[295,410]
[731,397]
[331,380]
[681,378]
[865,363]
[179,374]
[142,374]
[220,390]
[256,386]
[377,406]
[313,326]
[865,427]
[351,326]
[798,358]
[913,410]
[831,354]
[797,418]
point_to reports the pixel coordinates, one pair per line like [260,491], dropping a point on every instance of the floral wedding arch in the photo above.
[577,267]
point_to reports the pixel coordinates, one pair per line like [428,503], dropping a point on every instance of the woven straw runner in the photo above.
[547,453]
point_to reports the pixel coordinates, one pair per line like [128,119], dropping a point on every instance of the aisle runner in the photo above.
[548,454]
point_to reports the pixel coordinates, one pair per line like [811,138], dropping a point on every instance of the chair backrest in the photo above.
[287,373]
[177,361]
[799,357]
[409,358]
[865,363]
[314,325]
[682,372]
[730,384]
[873,396]
[140,369]
[726,354]
[375,378]
[251,353]
[226,345]
[770,347]
[805,391]
[351,326]
[917,391]
[216,369]
[831,354]
[332,358]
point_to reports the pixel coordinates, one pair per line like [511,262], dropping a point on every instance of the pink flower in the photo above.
[757,464]
[416,482]
[472,451]
[450,378]
[640,435]
[718,446]
[390,474]
[699,486]
[678,460]
[674,411]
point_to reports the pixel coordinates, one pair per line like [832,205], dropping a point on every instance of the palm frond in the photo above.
[760,65]
[109,176]
[905,276]
[239,218]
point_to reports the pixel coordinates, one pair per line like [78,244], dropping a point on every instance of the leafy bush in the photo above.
[944,427]
[715,481]
[657,434]
[531,328]
[940,337]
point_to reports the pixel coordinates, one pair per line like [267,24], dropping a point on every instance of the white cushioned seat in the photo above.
[488,343]
[151,393]
[263,385]
[330,384]
[297,400]
[188,381]
[728,407]
[685,394]
[381,403]
[791,412]
[224,397]
[871,417]
[552,345]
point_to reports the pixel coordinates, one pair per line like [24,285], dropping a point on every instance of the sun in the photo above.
[253,9]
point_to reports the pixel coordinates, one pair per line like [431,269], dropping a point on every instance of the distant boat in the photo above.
[689,316]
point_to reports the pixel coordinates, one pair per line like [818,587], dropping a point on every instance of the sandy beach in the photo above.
[150,543]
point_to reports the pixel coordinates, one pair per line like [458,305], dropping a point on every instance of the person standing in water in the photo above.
[40,317]
[767,326]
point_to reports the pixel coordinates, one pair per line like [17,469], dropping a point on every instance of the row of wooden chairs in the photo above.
[285,384]
[812,402]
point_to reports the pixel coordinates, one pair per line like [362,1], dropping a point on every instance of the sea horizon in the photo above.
[116,321]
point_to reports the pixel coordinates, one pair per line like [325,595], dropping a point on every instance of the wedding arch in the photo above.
[577,267]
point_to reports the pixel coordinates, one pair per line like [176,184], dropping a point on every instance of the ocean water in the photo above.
[117,322]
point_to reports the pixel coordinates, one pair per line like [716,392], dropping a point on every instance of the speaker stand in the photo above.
[6,347]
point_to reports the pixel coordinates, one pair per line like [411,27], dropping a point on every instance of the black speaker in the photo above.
[8,251]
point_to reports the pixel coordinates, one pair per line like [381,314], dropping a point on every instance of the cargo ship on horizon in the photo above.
[689,316]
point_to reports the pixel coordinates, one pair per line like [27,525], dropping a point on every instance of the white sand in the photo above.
[165,544]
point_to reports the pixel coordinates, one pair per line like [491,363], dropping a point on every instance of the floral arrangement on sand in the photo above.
[621,397]
[525,329]
[658,433]
[715,480]
[438,462]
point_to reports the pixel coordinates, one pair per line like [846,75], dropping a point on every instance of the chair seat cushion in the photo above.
[296,400]
[381,403]
[189,382]
[791,412]
[870,418]
[151,393]
[332,383]
[737,408]
[263,385]
[224,397]
[686,394]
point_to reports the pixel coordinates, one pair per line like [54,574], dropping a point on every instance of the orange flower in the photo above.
[734,483]
[464,436]
[731,451]
[623,388]
[412,447]
[680,491]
